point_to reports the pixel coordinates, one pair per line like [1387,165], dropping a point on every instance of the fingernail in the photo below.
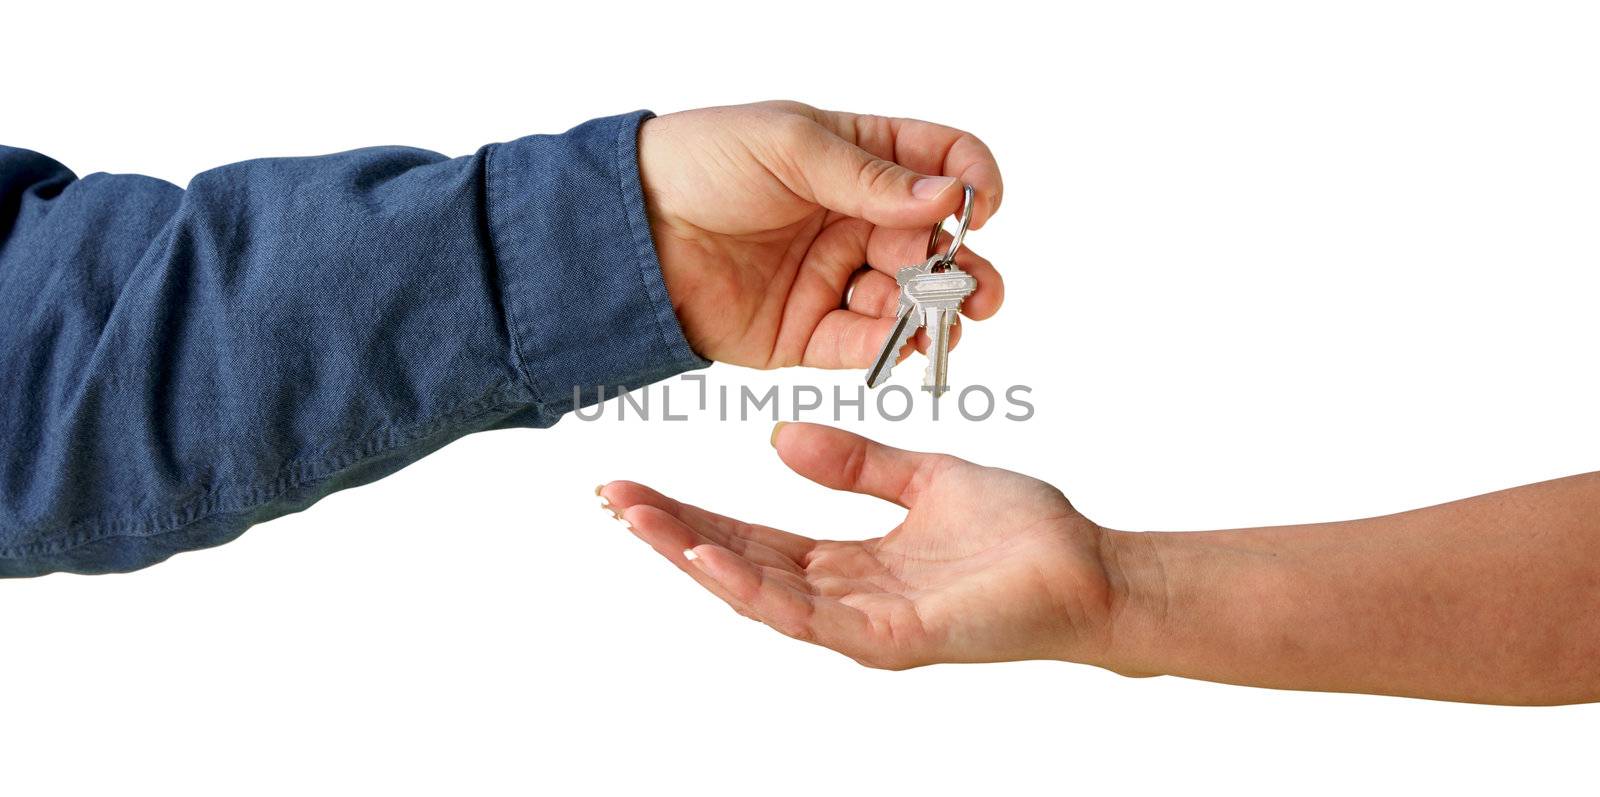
[777,427]
[598,488]
[605,503]
[688,553]
[930,187]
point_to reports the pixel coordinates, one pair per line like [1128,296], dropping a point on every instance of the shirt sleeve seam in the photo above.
[293,475]
[518,362]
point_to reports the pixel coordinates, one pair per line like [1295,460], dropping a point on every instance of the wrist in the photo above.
[679,248]
[1136,602]
[1208,605]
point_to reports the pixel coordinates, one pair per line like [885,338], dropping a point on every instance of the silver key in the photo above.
[938,296]
[907,320]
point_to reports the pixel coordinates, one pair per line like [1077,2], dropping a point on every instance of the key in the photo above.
[907,320]
[938,296]
[930,296]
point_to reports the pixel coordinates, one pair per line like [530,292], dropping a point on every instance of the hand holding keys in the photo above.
[930,296]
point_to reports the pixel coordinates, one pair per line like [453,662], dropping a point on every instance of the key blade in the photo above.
[935,379]
[906,324]
[938,295]
[908,319]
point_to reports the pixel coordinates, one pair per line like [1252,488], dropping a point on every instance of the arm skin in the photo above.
[1494,599]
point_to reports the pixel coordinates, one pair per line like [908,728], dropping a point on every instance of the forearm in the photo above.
[1490,599]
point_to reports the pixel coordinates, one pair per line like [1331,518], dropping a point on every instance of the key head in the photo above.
[943,290]
[905,274]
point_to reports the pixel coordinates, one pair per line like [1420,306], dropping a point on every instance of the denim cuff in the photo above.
[585,302]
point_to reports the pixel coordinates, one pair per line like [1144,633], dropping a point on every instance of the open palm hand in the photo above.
[988,565]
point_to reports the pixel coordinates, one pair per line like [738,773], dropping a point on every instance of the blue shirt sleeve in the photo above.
[178,365]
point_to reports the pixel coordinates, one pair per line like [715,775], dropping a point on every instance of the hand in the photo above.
[989,565]
[763,213]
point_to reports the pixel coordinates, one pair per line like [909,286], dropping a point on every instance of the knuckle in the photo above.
[855,463]
[876,174]
[792,131]
[787,106]
[874,133]
[888,303]
[927,471]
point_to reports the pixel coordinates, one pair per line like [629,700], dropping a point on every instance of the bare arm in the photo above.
[1492,599]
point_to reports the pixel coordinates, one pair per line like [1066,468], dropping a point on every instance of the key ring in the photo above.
[949,258]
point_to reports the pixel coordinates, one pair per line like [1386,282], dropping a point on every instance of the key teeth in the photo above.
[901,341]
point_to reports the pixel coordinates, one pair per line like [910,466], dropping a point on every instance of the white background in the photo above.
[1268,263]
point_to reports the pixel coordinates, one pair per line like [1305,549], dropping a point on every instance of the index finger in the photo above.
[926,148]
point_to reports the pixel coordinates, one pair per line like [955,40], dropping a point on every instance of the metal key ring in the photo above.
[949,258]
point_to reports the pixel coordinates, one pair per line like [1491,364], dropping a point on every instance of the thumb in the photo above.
[841,460]
[845,178]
